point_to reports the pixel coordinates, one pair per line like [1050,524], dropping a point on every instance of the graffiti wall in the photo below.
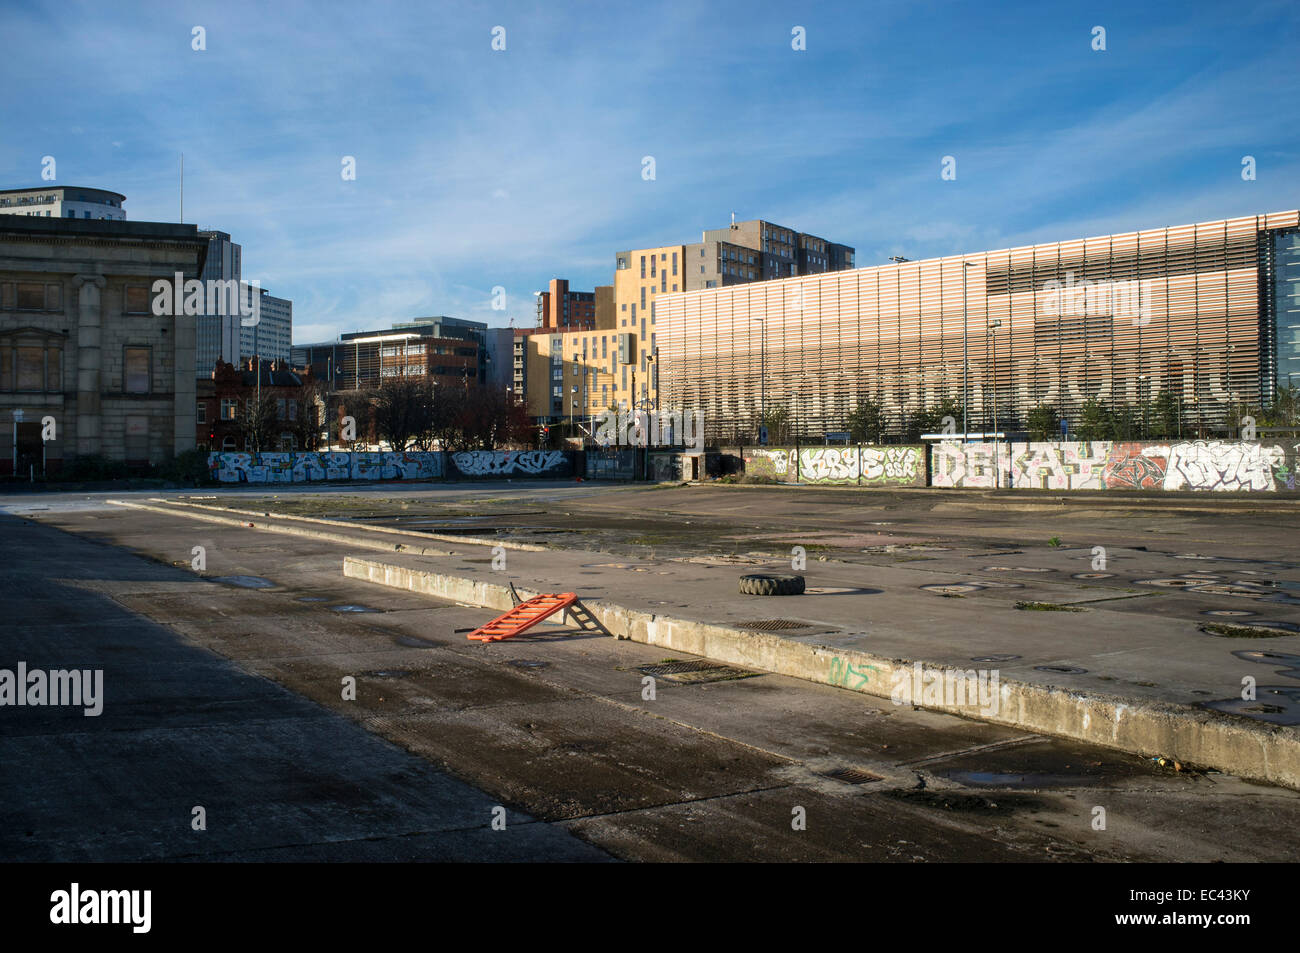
[666,467]
[511,463]
[856,466]
[307,467]
[1203,465]
[776,464]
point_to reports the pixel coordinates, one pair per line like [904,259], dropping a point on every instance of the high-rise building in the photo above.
[271,338]
[559,309]
[59,201]
[218,332]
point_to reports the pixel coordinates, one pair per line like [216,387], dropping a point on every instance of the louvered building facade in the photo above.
[1208,314]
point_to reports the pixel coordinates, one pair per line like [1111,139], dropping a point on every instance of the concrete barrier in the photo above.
[1242,747]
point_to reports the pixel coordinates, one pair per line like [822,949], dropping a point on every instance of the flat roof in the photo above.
[98,227]
[63,188]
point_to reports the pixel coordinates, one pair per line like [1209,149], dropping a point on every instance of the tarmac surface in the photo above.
[223,687]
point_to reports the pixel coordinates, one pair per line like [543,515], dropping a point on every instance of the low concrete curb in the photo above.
[254,523]
[1242,747]
[441,537]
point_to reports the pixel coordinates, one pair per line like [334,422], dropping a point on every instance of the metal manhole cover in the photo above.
[695,671]
[952,588]
[851,776]
[772,625]
[1061,669]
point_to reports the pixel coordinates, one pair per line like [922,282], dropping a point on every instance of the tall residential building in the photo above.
[1200,320]
[559,309]
[271,338]
[219,336]
[59,201]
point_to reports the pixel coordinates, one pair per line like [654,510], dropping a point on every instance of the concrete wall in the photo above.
[477,464]
[1209,465]
[856,466]
[234,467]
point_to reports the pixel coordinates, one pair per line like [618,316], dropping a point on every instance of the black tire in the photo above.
[759,584]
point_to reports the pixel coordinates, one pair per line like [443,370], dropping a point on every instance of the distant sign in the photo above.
[762,436]
[843,436]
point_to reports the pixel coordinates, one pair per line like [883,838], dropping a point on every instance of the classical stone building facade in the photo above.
[81,347]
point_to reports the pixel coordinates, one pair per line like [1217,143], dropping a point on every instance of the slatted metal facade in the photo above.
[1115,319]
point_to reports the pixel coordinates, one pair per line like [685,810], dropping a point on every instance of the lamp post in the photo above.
[762,378]
[965,363]
[997,465]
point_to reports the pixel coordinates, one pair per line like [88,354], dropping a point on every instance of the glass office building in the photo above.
[1207,315]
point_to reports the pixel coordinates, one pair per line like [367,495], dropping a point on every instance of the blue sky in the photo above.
[478,168]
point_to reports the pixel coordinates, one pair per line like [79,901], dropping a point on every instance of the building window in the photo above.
[31,296]
[674,263]
[136,370]
[229,405]
[643,266]
[136,299]
[201,412]
[652,266]
[643,296]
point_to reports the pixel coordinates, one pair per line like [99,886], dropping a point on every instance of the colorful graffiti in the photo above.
[970,465]
[1201,465]
[897,466]
[497,463]
[829,465]
[776,464]
[1065,466]
[308,467]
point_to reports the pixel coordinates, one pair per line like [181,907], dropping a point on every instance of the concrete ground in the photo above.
[224,685]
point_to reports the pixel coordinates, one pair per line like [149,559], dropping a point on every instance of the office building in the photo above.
[58,201]
[1206,316]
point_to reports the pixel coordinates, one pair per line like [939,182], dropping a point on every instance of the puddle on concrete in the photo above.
[1228,612]
[527,663]
[352,607]
[389,673]
[1275,704]
[245,582]
[1290,663]
[993,779]
[1061,669]
[312,599]
[1092,575]
[994,658]
[415,642]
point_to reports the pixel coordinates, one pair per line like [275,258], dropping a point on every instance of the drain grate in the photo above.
[851,776]
[772,625]
[696,671]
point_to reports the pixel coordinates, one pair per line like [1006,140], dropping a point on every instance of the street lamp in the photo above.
[762,384]
[965,362]
[993,326]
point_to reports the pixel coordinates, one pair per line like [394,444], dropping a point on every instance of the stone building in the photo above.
[86,366]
